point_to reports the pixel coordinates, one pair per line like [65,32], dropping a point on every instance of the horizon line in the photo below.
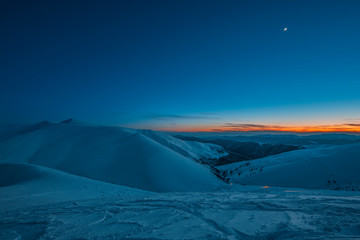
[281,129]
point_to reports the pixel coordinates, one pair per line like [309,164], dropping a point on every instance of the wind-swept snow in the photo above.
[335,167]
[108,154]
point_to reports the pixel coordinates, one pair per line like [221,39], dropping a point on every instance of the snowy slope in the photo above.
[242,151]
[24,185]
[202,152]
[335,167]
[108,154]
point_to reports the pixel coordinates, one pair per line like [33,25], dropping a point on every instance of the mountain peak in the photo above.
[70,120]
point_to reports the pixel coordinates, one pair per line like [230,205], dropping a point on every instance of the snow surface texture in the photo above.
[109,154]
[335,167]
[114,212]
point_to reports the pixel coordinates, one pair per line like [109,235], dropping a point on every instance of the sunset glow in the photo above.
[350,128]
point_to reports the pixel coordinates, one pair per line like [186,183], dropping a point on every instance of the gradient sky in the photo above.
[182,65]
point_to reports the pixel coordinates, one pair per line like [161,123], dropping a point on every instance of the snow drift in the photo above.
[109,154]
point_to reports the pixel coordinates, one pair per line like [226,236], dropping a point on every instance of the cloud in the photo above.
[249,127]
[166,117]
[217,130]
[353,124]
[352,119]
[245,125]
[352,127]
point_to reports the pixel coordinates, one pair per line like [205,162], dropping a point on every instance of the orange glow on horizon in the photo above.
[350,128]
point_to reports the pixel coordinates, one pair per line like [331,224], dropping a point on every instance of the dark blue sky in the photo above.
[178,64]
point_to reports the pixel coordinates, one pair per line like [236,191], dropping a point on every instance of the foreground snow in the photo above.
[42,203]
[236,213]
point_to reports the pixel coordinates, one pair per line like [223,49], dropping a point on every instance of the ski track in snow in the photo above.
[264,214]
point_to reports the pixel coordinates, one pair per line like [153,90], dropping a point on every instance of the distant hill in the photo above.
[332,167]
[242,151]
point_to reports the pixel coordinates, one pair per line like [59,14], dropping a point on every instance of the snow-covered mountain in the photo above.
[38,201]
[334,167]
[109,154]
[202,152]
[238,151]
